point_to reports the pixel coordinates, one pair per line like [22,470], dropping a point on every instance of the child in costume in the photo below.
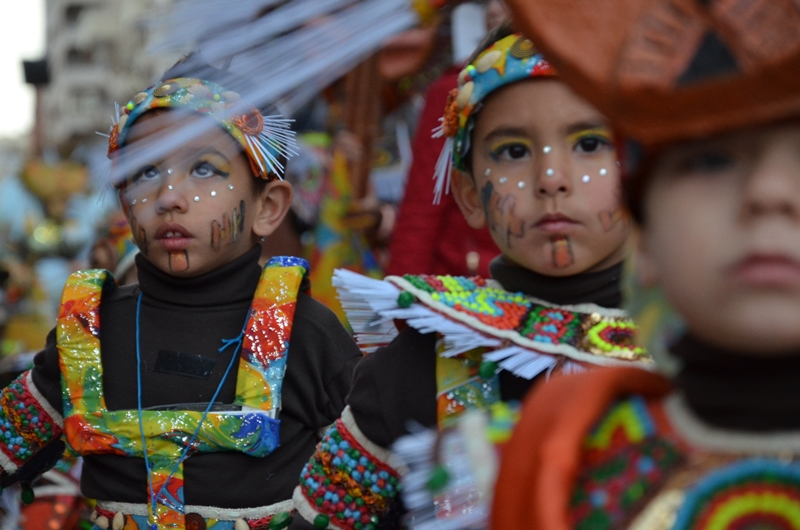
[710,118]
[196,396]
[540,170]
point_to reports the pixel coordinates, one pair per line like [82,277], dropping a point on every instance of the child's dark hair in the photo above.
[500,32]
[192,65]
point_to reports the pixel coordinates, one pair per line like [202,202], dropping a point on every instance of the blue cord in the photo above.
[226,343]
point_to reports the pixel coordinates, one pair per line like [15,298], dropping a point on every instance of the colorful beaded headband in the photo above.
[510,59]
[264,139]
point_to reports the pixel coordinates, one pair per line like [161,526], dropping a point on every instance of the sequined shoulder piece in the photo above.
[625,461]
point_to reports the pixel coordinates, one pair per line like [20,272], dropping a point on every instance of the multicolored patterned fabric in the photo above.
[625,462]
[105,518]
[263,139]
[27,423]
[349,482]
[461,387]
[483,304]
[753,493]
[91,428]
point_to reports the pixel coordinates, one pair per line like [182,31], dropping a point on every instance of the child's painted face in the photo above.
[547,179]
[194,210]
[722,237]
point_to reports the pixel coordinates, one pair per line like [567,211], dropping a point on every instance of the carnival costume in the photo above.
[440,345]
[715,444]
[179,392]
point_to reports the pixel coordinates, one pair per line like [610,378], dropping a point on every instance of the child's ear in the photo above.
[271,207]
[646,272]
[468,197]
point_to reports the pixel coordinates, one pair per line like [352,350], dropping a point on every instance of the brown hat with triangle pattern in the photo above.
[669,70]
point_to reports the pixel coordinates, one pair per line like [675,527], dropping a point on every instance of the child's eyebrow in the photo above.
[506,131]
[587,125]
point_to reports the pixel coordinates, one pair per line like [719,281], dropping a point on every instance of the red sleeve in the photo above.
[419,220]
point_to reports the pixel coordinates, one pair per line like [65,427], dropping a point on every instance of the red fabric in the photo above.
[541,462]
[434,238]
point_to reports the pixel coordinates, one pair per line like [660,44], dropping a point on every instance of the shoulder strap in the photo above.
[267,333]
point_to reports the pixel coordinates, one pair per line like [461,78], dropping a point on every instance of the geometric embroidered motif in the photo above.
[624,463]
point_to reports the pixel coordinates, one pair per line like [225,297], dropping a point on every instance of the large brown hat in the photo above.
[664,70]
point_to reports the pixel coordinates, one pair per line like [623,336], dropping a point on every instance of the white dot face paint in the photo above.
[213,193]
[550,172]
[230,187]
[488,172]
[170,171]
[547,149]
[520,184]
[133,202]
[586,178]
[196,199]
[603,172]
[144,200]
[170,187]
[503,180]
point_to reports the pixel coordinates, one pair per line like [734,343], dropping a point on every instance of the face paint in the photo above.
[229,229]
[139,234]
[501,215]
[608,220]
[562,253]
[179,261]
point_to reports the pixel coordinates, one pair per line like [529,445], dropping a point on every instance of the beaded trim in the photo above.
[350,481]
[693,430]
[207,512]
[27,423]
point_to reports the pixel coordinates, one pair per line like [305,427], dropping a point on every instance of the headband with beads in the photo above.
[510,59]
[264,139]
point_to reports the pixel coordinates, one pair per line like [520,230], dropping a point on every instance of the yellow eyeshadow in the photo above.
[505,142]
[602,132]
[218,161]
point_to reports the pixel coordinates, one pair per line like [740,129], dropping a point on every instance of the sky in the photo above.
[22,35]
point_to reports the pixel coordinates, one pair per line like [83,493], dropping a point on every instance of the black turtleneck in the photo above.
[192,316]
[738,391]
[397,384]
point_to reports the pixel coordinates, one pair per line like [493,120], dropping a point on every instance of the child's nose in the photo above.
[170,196]
[553,179]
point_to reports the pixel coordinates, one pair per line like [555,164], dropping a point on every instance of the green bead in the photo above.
[280,520]
[405,299]
[130,105]
[27,495]
[321,521]
[439,479]
[487,369]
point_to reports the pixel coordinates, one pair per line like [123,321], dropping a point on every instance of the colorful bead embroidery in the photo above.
[27,423]
[91,428]
[609,493]
[460,387]
[756,493]
[624,462]
[474,298]
[345,482]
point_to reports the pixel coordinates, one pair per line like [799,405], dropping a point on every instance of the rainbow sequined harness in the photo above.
[91,428]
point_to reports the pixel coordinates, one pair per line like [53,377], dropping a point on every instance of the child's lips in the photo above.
[555,223]
[767,270]
[172,236]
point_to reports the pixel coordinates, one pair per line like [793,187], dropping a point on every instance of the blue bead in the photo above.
[356,475]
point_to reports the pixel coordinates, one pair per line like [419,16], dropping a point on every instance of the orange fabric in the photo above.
[667,70]
[541,462]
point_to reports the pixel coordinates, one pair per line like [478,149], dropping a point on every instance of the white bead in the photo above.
[93,516]
[118,523]
[102,522]
[196,198]
[241,524]
[213,193]
[550,172]
[547,149]
[586,178]
[520,184]
[603,172]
